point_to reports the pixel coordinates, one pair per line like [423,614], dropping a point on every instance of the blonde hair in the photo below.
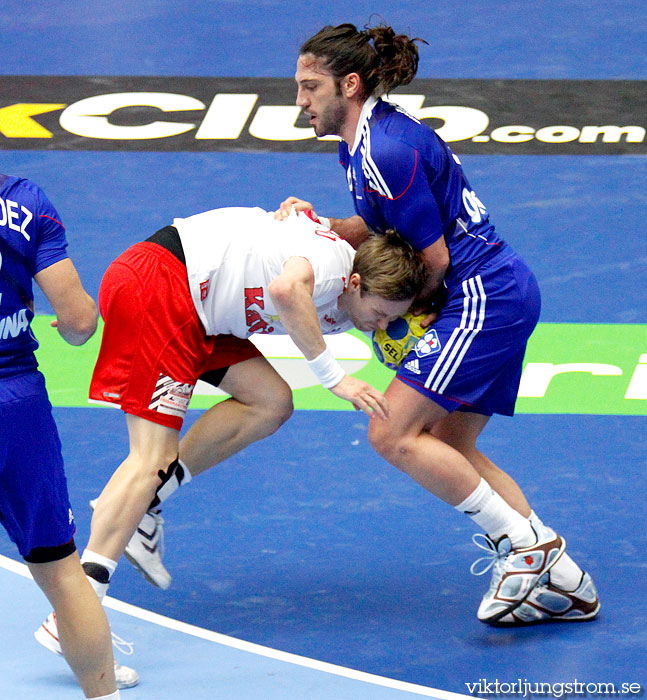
[389,267]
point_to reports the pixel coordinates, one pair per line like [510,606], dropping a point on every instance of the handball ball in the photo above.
[394,344]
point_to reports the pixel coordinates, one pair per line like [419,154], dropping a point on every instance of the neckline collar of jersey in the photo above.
[367,109]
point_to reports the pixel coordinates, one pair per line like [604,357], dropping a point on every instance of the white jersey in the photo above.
[233,254]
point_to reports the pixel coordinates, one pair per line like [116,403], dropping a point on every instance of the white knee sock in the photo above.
[565,574]
[98,570]
[490,512]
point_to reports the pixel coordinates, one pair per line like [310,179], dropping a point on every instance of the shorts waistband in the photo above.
[169,238]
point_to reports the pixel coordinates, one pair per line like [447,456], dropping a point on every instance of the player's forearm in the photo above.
[436,260]
[299,317]
[432,285]
[76,312]
[306,335]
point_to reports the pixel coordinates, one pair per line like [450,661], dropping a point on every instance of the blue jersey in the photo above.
[403,176]
[31,239]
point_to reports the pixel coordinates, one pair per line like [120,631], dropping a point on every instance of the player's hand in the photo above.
[428,319]
[363,397]
[430,305]
[290,203]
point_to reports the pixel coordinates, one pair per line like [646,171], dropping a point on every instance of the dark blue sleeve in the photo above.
[404,193]
[50,233]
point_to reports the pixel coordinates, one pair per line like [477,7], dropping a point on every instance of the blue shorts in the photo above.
[472,356]
[34,503]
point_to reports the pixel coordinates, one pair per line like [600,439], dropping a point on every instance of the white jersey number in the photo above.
[473,205]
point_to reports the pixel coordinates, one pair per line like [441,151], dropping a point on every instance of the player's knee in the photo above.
[388,443]
[280,409]
[143,467]
[272,408]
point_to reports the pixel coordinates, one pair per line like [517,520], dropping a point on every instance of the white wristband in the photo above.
[324,221]
[327,369]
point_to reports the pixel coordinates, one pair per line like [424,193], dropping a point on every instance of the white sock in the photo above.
[113,696]
[490,512]
[565,573]
[99,571]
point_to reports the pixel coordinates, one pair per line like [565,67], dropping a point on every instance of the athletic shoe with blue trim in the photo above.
[515,571]
[548,603]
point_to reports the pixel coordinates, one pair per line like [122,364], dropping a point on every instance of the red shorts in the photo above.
[154,347]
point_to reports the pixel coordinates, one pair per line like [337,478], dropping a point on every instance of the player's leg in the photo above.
[406,440]
[83,629]
[35,510]
[150,357]
[130,490]
[461,429]
[568,593]
[260,403]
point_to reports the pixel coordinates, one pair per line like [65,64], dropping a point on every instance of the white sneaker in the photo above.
[47,635]
[515,572]
[146,549]
[548,603]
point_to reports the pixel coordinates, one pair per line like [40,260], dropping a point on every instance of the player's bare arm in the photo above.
[291,294]
[76,312]
[436,259]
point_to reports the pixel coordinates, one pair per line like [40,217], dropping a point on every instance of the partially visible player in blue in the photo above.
[485,303]
[34,503]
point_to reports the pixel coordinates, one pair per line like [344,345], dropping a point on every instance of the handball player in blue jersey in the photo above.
[34,502]
[482,303]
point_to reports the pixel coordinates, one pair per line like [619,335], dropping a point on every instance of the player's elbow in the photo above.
[281,291]
[79,326]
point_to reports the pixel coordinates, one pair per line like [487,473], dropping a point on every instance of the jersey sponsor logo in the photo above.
[429,344]
[12,326]
[205,114]
[204,290]
[254,304]
[171,397]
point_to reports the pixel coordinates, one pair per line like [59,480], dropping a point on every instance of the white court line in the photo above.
[259,650]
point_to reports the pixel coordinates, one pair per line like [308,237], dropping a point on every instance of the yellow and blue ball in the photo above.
[392,345]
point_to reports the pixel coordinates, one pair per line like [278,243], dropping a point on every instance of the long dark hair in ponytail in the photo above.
[382,59]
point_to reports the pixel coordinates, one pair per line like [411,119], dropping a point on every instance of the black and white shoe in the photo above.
[146,549]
